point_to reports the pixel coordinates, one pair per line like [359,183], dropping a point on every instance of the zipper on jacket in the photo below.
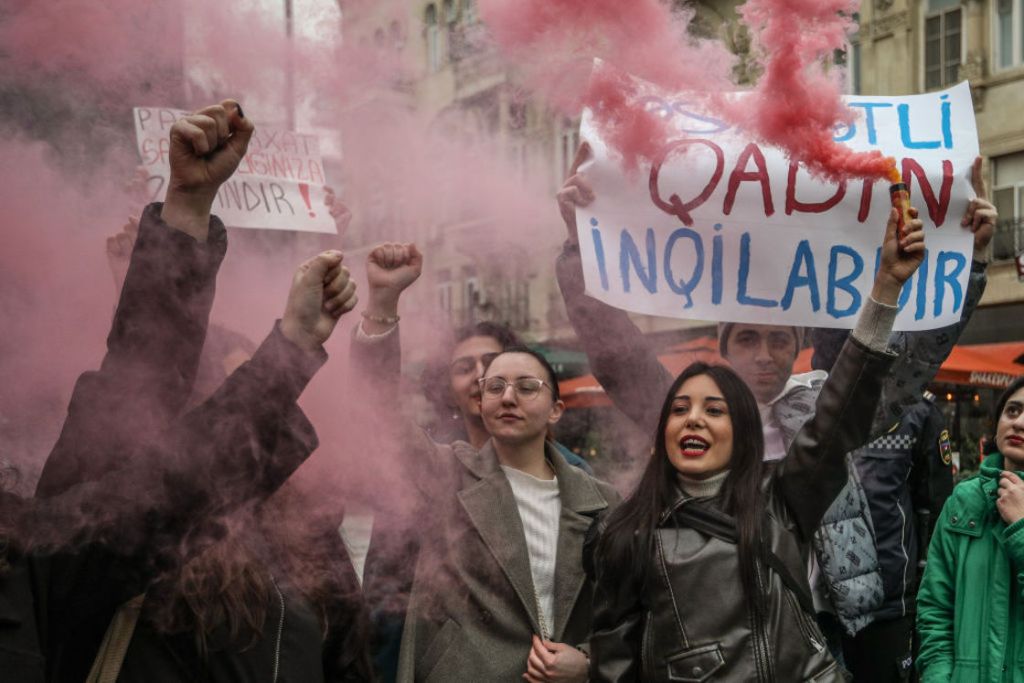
[803,622]
[906,558]
[762,648]
[645,651]
[280,630]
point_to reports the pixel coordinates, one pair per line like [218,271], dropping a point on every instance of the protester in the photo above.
[269,595]
[451,383]
[214,615]
[272,593]
[89,544]
[907,476]
[488,521]
[846,577]
[970,608]
[701,573]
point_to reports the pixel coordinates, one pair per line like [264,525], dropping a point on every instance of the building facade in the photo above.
[913,46]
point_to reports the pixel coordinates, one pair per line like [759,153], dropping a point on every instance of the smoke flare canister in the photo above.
[899,193]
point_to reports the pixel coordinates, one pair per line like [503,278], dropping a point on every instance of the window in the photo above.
[848,59]
[1008,196]
[854,68]
[469,11]
[518,311]
[445,291]
[1009,33]
[517,115]
[942,43]
[474,298]
[448,10]
[433,36]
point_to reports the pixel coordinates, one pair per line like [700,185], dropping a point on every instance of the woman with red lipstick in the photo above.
[970,613]
[702,573]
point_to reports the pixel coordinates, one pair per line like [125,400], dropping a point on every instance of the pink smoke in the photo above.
[71,147]
[554,43]
[796,103]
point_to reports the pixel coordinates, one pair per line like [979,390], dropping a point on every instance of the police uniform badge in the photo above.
[945,447]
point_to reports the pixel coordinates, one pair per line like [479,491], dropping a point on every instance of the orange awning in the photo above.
[993,366]
[982,365]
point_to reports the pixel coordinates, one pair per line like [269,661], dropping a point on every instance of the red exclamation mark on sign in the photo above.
[304,191]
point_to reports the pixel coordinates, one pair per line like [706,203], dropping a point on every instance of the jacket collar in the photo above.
[682,497]
[492,509]
[805,380]
[991,468]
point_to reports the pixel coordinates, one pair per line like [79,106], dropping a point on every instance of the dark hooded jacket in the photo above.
[128,484]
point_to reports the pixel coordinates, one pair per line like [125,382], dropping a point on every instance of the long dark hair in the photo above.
[625,548]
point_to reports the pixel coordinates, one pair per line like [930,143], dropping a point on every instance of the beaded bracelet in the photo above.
[383,320]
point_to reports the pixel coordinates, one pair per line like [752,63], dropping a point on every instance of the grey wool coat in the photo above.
[473,610]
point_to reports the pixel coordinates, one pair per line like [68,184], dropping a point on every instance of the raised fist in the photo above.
[321,292]
[393,267]
[206,148]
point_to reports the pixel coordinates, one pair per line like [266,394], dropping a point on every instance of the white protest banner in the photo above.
[278,185]
[721,228]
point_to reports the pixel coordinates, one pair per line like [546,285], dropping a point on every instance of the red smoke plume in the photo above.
[797,102]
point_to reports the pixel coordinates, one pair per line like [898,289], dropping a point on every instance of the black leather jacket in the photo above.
[690,620]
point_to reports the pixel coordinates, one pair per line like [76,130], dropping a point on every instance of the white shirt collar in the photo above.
[805,380]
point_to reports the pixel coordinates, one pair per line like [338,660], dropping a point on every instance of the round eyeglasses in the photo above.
[526,388]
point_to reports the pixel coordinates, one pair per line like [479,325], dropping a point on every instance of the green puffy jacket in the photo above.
[970,613]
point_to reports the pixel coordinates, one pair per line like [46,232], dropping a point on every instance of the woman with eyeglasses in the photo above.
[451,383]
[500,592]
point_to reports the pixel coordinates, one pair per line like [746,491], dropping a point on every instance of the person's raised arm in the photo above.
[108,539]
[241,442]
[921,354]
[814,470]
[619,355]
[160,323]
[376,352]
[375,360]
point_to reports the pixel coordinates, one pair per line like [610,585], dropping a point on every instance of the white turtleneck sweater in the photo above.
[707,487]
[540,508]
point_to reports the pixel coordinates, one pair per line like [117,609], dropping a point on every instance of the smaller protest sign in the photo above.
[278,186]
